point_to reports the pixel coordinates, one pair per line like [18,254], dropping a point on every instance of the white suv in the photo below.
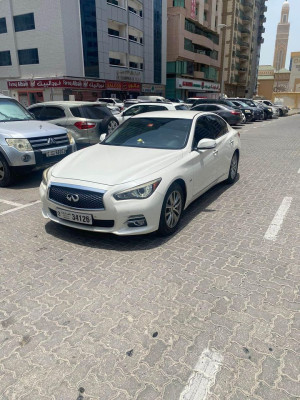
[148,107]
[113,102]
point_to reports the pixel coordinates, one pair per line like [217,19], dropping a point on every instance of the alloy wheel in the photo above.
[173,209]
[233,167]
[111,126]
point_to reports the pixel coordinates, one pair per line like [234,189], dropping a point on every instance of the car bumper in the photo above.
[114,218]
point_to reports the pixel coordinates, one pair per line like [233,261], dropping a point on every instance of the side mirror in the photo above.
[102,137]
[205,144]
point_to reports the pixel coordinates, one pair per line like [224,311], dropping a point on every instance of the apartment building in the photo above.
[241,41]
[51,50]
[193,48]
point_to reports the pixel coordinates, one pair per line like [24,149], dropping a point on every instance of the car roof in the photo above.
[182,114]
[68,103]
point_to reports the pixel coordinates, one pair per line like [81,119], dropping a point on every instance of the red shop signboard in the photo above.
[56,83]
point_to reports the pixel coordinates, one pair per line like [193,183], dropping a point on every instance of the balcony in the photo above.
[247,4]
[242,43]
[245,31]
[262,29]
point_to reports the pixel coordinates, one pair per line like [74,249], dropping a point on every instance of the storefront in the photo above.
[31,91]
[195,88]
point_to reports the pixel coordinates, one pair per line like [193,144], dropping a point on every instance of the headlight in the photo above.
[139,192]
[19,144]
[70,137]
[46,176]
[270,109]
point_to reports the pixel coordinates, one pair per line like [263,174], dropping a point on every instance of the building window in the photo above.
[179,3]
[3,27]
[188,45]
[89,38]
[133,65]
[114,61]
[113,2]
[113,32]
[192,27]
[5,58]
[24,22]
[157,37]
[28,56]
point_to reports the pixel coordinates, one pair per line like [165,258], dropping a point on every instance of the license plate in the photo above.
[247,111]
[75,217]
[58,152]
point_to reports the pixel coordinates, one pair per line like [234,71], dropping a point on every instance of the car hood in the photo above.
[29,129]
[113,165]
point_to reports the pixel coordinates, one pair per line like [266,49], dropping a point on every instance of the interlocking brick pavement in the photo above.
[128,318]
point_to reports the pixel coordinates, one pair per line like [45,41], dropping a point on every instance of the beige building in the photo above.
[193,48]
[242,38]
[282,38]
[271,81]
[294,84]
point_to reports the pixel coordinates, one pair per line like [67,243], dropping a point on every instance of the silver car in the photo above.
[85,120]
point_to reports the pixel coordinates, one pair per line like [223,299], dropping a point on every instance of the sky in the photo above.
[273,17]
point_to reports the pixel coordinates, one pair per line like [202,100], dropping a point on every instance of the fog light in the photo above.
[26,157]
[136,221]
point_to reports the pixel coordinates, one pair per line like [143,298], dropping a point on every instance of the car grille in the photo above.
[76,198]
[47,142]
[102,223]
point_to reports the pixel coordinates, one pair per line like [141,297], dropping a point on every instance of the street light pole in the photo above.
[223,28]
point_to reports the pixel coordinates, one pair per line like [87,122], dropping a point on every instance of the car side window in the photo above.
[134,111]
[200,107]
[50,113]
[36,111]
[217,126]
[154,107]
[212,108]
[202,130]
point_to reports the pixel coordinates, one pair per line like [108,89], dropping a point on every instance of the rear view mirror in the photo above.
[102,137]
[205,144]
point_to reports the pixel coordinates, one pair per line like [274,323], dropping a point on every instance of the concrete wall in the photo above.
[291,100]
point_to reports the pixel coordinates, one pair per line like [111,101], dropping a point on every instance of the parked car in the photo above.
[161,163]
[112,101]
[26,144]
[230,115]
[175,100]
[245,109]
[159,99]
[85,120]
[258,114]
[283,110]
[191,101]
[269,111]
[130,102]
[147,107]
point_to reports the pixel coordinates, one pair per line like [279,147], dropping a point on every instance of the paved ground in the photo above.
[209,314]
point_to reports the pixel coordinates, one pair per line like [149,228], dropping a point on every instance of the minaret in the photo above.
[282,38]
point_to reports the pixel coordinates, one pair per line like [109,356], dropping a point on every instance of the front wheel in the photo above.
[6,176]
[233,170]
[171,210]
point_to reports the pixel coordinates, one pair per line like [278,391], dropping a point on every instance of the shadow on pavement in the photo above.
[136,243]
[28,181]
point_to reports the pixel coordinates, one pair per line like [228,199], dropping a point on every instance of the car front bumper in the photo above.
[114,218]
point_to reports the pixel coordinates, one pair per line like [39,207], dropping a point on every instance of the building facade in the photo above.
[85,48]
[294,83]
[282,38]
[241,41]
[193,48]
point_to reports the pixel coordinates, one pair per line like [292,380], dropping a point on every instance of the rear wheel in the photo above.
[233,170]
[6,176]
[108,125]
[171,210]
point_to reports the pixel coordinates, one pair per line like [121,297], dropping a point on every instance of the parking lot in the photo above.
[210,313]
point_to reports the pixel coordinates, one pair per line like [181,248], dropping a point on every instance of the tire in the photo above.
[169,219]
[233,170]
[108,125]
[6,175]
[265,115]
[280,113]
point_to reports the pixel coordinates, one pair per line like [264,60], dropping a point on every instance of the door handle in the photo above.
[215,153]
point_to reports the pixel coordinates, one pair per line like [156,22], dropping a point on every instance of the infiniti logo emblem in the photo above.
[73,197]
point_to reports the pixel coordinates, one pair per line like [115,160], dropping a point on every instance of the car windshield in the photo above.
[91,112]
[11,110]
[241,103]
[249,103]
[153,133]
[181,107]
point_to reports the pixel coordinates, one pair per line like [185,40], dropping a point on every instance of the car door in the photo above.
[225,143]
[204,161]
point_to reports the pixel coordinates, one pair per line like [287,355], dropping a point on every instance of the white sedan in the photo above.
[141,177]
[144,107]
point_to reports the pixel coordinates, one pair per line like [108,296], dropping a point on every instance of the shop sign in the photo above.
[148,88]
[56,83]
[197,85]
[193,9]
[130,76]
[123,86]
